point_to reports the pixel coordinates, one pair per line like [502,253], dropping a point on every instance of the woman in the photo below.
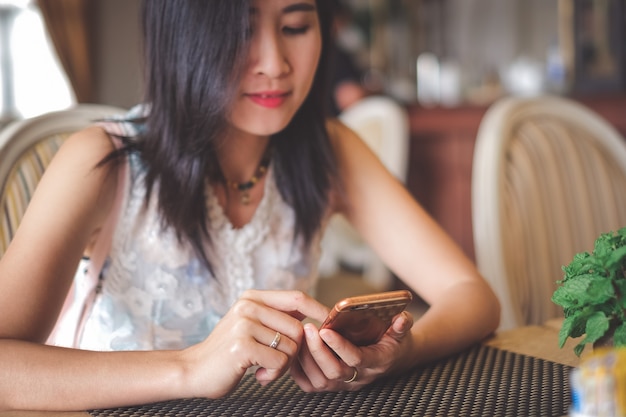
[230,173]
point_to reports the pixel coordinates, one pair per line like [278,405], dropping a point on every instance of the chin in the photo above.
[264,126]
[265,129]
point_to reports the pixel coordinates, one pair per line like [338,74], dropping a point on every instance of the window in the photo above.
[32,80]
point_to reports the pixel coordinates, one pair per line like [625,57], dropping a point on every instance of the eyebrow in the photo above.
[299,7]
[292,8]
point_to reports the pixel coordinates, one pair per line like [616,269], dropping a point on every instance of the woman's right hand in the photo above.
[242,340]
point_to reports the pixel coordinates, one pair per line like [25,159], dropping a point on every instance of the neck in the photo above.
[240,155]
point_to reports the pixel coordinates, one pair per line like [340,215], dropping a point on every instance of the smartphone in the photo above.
[364,319]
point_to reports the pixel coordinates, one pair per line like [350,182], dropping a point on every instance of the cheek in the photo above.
[315,50]
[309,62]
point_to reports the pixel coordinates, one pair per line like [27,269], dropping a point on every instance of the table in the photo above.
[540,341]
[524,362]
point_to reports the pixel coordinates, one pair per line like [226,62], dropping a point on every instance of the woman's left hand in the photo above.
[329,362]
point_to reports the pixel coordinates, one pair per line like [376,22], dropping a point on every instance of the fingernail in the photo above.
[326,336]
[308,331]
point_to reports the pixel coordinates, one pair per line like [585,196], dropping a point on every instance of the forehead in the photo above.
[282,6]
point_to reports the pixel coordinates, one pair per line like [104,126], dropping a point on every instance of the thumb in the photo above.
[401,325]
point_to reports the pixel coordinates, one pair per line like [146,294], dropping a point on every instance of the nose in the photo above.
[268,55]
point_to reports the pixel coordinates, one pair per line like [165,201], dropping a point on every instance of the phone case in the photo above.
[364,319]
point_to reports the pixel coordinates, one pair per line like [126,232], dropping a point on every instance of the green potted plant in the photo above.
[593,293]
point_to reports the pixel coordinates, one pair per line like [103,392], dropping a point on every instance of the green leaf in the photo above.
[580,323]
[620,286]
[607,243]
[566,330]
[584,290]
[592,291]
[578,349]
[597,325]
[572,291]
[573,326]
[600,290]
[614,260]
[619,337]
[576,265]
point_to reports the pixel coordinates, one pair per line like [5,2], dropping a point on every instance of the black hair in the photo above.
[194,54]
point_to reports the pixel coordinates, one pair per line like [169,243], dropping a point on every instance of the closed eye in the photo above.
[288,30]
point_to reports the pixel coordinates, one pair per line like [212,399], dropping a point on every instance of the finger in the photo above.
[342,348]
[307,363]
[250,352]
[295,303]
[267,375]
[276,340]
[250,342]
[324,358]
[277,355]
[300,377]
[255,311]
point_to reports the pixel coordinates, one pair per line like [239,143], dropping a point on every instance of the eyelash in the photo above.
[295,31]
[287,30]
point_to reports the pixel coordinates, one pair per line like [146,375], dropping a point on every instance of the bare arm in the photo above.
[39,377]
[463,309]
[70,205]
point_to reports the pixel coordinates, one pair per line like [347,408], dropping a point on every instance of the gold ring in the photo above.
[276,341]
[347,381]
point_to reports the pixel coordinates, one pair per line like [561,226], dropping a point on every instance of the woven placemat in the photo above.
[482,381]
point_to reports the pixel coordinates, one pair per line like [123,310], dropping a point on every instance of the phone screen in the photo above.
[363,320]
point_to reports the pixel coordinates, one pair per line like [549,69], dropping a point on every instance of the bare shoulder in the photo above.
[86,145]
[82,153]
[350,149]
[342,140]
[341,136]
[359,167]
[75,169]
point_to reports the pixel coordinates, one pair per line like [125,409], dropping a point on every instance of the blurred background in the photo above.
[431,52]
[444,61]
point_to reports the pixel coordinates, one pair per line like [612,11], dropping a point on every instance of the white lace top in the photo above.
[156,294]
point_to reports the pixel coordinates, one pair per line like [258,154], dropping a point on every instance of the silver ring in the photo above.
[276,341]
[347,381]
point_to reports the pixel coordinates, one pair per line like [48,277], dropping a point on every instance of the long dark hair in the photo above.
[191,48]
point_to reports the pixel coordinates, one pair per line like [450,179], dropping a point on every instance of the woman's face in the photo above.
[285,47]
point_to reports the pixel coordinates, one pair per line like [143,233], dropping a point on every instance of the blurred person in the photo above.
[346,76]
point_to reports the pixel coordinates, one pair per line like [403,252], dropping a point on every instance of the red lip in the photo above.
[269,99]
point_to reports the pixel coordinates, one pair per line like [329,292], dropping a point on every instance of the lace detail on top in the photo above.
[157,294]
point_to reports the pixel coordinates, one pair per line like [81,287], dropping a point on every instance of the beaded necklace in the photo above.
[244,187]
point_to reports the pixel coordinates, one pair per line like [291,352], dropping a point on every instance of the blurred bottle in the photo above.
[524,77]
[450,93]
[556,72]
[599,385]
[428,79]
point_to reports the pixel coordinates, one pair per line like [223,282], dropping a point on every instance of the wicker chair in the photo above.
[26,148]
[549,176]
